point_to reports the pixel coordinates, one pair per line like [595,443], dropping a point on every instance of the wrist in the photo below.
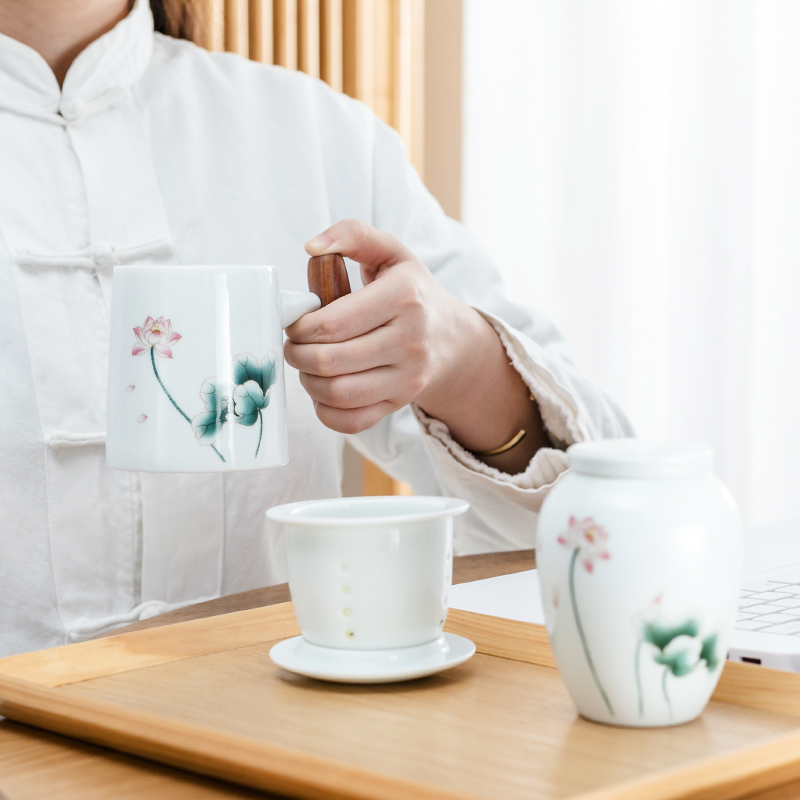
[482,399]
[478,394]
[469,346]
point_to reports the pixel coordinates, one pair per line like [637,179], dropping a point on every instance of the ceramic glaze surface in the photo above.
[640,578]
[370,573]
[196,368]
[372,666]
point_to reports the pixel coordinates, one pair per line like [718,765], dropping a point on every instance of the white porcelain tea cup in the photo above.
[370,573]
[195,380]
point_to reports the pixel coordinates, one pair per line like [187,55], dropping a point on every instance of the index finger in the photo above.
[373,249]
[352,315]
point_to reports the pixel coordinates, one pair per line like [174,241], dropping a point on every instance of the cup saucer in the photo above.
[371,666]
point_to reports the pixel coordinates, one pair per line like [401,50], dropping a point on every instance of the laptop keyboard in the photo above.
[770,605]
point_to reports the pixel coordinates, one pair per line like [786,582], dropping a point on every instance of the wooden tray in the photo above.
[204,695]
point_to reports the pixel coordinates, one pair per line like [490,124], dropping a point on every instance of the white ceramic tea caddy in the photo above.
[370,579]
[639,553]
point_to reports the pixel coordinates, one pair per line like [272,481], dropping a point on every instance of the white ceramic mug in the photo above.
[639,550]
[195,379]
[370,573]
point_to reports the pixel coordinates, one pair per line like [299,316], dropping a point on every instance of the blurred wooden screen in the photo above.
[372,50]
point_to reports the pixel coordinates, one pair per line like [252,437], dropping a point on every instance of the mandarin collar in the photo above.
[101,74]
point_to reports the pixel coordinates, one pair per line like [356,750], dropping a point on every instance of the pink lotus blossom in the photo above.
[589,538]
[141,418]
[156,335]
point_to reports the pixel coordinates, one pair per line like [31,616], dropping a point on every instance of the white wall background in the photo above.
[633,166]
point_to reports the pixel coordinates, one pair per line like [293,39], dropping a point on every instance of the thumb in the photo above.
[374,250]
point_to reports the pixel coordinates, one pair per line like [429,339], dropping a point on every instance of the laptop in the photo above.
[767,626]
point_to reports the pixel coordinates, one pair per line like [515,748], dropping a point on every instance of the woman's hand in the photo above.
[404,338]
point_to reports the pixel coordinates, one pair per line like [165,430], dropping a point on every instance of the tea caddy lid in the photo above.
[640,458]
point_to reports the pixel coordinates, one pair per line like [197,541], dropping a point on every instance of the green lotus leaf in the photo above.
[269,371]
[661,635]
[247,402]
[207,427]
[246,367]
[246,412]
[708,652]
[679,662]
[216,396]
[253,390]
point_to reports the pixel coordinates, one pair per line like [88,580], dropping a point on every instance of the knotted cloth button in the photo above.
[104,256]
[71,110]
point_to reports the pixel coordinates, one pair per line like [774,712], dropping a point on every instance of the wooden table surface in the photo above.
[35,764]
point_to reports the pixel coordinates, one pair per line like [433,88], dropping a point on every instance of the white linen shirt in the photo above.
[156,151]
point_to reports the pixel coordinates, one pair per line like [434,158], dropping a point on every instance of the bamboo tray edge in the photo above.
[29,694]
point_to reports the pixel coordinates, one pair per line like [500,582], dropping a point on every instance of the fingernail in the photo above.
[321,242]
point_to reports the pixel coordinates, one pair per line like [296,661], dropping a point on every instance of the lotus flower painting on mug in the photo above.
[241,397]
[155,335]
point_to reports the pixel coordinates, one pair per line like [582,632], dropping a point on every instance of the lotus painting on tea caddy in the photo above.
[672,649]
[676,648]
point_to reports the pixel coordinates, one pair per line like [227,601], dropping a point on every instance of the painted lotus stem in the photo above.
[260,431]
[664,690]
[172,399]
[166,391]
[581,634]
[637,670]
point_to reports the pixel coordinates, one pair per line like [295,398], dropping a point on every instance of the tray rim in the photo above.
[29,684]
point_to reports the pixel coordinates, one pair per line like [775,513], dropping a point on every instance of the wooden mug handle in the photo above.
[327,277]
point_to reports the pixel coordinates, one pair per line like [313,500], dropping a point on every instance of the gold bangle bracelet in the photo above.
[511,443]
[504,448]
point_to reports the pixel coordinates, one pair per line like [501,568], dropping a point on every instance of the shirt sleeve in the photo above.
[413,447]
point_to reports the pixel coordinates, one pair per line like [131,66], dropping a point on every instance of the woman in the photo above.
[120,146]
